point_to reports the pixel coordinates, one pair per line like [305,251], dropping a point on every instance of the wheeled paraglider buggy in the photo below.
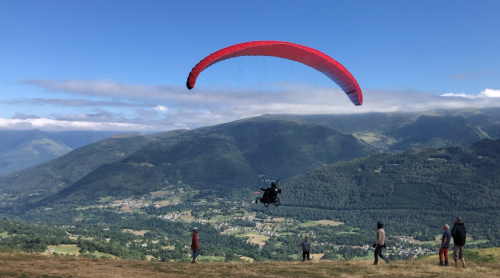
[270,194]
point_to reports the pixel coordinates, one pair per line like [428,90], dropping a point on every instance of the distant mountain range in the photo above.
[401,131]
[231,155]
[429,169]
[20,149]
[48,178]
[236,155]
[388,131]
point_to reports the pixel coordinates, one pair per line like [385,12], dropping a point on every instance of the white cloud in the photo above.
[44,123]
[458,95]
[202,106]
[161,108]
[487,93]
[50,124]
[77,103]
[490,93]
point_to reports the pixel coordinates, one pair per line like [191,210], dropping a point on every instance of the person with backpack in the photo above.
[459,235]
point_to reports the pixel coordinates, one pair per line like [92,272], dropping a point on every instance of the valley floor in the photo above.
[27,265]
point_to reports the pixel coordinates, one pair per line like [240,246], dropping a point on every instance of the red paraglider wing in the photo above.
[291,51]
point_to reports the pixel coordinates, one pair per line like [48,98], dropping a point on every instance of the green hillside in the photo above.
[227,156]
[327,175]
[354,123]
[416,192]
[20,149]
[44,179]
[463,178]
[401,131]
[436,132]
[79,138]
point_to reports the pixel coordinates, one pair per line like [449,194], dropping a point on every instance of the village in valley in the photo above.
[237,218]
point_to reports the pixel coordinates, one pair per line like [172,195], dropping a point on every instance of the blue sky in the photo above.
[109,64]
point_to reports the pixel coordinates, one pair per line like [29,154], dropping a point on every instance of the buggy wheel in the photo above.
[277,202]
[266,204]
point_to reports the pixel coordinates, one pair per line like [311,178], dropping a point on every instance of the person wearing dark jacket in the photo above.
[194,245]
[459,234]
[306,249]
[270,194]
[380,243]
[445,245]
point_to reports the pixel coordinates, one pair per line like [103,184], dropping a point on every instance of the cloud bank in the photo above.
[162,108]
[488,93]
[77,103]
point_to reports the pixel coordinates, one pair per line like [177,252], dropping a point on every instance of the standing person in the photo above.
[380,243]
[306,249]
[445,244]
[459,234]
[194,245]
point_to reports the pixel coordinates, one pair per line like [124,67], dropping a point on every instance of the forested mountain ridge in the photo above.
[79,138]
[399,131]
[436,132]
[228,156]
[354,123]
[454,177]
[391,131]
[188,176]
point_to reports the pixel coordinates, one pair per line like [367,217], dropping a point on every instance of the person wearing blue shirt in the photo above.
[445,244]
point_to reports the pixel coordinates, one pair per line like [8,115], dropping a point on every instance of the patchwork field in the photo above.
[321,222]
[255,238]
[71,249]
[138,233]
[163,203]
[211,259]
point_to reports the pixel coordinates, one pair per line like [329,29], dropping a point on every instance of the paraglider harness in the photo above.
[270,194]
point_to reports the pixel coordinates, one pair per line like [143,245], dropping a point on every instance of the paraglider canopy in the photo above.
[291,51]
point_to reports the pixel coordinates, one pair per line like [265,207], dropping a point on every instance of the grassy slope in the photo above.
[27,265]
